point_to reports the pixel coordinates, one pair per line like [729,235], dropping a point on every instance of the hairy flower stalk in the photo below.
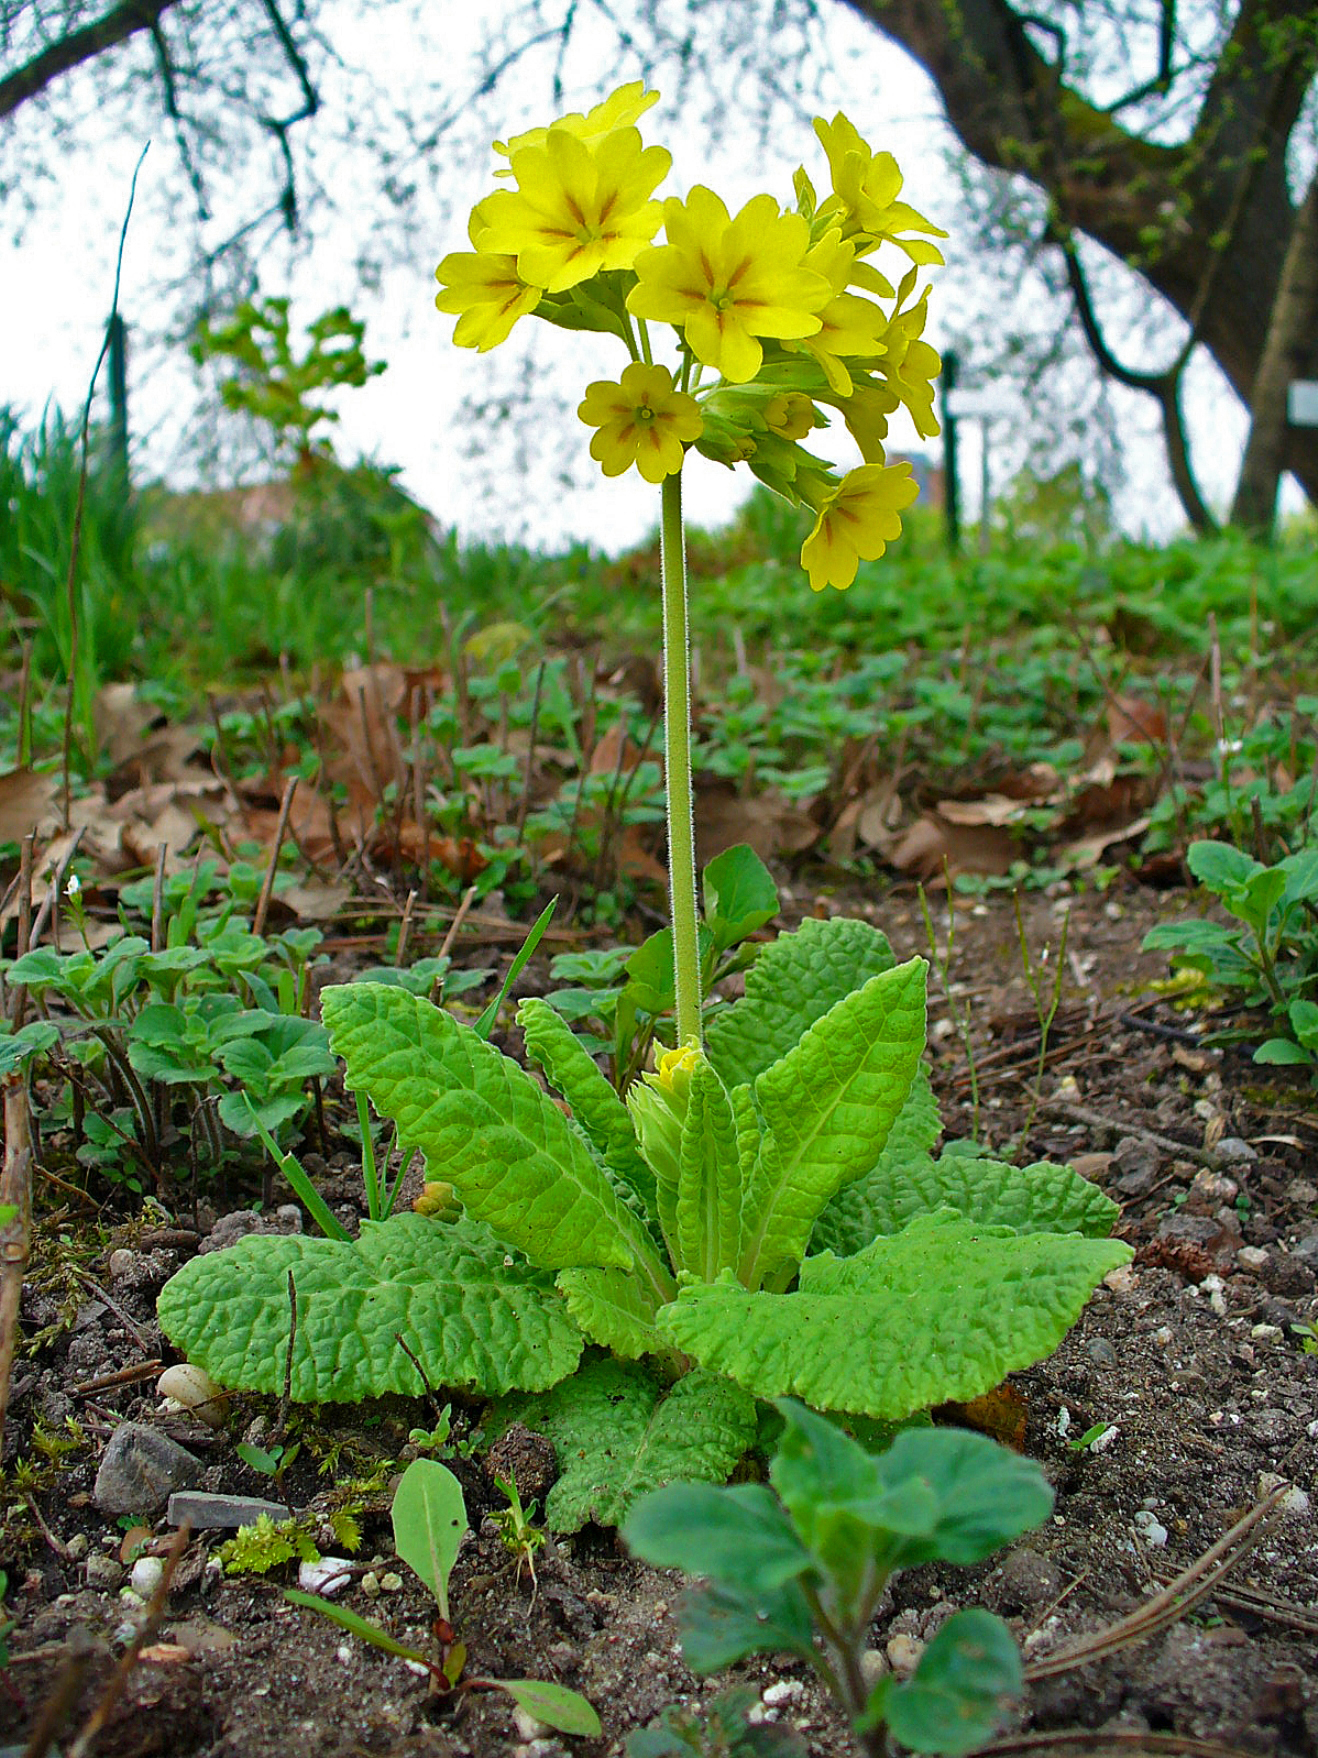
[677,763]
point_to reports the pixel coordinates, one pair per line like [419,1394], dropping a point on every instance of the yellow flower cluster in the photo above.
[779,315]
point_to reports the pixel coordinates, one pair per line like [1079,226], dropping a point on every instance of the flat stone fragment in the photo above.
[207,1512]
[140,1471]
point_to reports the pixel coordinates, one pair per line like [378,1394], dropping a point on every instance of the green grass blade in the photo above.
[485,1024]
[303,1188]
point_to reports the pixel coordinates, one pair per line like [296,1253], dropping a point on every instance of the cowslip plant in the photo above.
[800,1568]
[761,1215]
[430,1523]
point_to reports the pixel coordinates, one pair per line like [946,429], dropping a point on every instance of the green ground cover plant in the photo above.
[799,1566]
[761,1215]
[1266,957]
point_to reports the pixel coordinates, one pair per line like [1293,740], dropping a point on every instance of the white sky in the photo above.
[55,290]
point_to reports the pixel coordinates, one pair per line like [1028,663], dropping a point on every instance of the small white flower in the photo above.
[73,887]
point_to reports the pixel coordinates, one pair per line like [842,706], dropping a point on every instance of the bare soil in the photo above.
[1192,1356]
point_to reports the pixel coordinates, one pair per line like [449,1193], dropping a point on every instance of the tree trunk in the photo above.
[70,51]
[1290,333]
[1013,110]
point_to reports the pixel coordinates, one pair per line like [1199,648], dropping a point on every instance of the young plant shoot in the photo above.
[762,1215]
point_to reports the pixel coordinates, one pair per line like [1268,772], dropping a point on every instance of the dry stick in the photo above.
[75,540]
[416,707]
[405,929]
[114,1307]
[151,1622]
[18,1001]
[1104,1739]
[459,916]
[1189,1587]
[56,887]
[287,1397]
[525,802]
[1096,1120]
[25,707]
[78,1652]
[268,883]
[158,900]
[16,1232]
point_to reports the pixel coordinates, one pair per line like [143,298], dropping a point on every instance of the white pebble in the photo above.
[785,1691]
[528,1726]
[1163,1336]
[343,1652]
[1252,1257]
[189,1387]
[329,1576]
[391,1583]
[874,1666]
[121,1263]
[370,1584]
[1266,1333]
[146,1576]
[1108,1439]
[904,1654]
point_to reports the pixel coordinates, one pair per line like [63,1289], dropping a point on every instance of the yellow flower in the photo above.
[857,521]
[848,324]
[488,293]
[911,365]
[621,109]
[684,1060]
[577,209]
[642,420]
[790,415]
[866,185]
[726,282]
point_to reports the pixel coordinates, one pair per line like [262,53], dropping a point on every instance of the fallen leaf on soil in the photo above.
[164,1654]
[25,797]
[1133,721]
[932,843]
[615,754]
[636,859]
[1002,1414]
[1091,1166]
[313,902]
[767,822]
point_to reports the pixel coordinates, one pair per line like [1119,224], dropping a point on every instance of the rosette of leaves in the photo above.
[767,1212]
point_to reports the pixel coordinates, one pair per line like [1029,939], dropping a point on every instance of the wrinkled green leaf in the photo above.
[960,1691]
[475,1317]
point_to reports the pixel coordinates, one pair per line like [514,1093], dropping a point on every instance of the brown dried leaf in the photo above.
[768,823]
[26,795]
[932,843]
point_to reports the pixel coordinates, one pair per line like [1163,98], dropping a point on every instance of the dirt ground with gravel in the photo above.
[1195,1359]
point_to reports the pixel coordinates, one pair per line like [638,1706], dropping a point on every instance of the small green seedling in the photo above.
[724,1731]
[802,1567]
[271,1462]
[516,1530]
[430,1523]
[1091,1437]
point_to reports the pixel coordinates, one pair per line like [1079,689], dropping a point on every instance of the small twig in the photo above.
[524,803]
[268,883]
[78,1652]
[114,1307]
[1096,1120]
[16,1233]
[126,1376]
[459,916]
[287,1397]
[151,1622]
[56,887]
[158,900]
[18,1000]
[405,929]
[1189,1587]
[431,1390]
[58,1545]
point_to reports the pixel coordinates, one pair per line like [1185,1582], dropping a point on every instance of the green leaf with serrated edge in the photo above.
[615,1310]
[856,1214]
[566,1711]
[721,1625]
[793,982]
[986,1494]
[1039,1198]
[740,895]
[960,1691]
[707,1210]
[485,1126]
[616,1437]
[827,1107]
[1219,866]
[571,1071]
[944,1310]
[739,1536]
[473,1319]
[430,1523]
[348,1620]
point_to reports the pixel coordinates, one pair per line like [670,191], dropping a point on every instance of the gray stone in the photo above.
[227,1513]
[101,1573]
[1306,1249]
[1232,1151]
[1135,1163]
[1100,1352]
[141,1470]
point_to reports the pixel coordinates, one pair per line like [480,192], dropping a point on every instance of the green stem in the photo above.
[677,764]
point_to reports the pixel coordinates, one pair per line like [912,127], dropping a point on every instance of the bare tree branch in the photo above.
[70,51]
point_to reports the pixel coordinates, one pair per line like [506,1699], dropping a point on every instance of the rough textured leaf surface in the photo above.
[707,1209]
[484,1125]
[570,1070]
[474,1319]
[827,1107]
[793,982]
[858,1213]
[614,1309]
[943,1310]
[616,1437]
